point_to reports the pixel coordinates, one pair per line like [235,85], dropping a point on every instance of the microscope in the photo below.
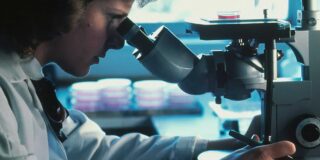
[290,108]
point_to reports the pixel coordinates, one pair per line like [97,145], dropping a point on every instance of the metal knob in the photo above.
[308,132]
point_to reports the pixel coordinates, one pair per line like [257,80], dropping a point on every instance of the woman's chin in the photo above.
[82,73]
[78,72]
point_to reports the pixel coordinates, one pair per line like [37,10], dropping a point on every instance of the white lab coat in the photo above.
[25,132]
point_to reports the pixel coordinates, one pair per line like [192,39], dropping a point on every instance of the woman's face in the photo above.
[96,33]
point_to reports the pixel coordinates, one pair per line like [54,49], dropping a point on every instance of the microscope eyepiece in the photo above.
[125,26]
[135,36]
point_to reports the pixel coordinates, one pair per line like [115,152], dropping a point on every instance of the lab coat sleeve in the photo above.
[86,141]
[10,146]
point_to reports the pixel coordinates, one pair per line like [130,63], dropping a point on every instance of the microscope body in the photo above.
[296,112]
[295,109]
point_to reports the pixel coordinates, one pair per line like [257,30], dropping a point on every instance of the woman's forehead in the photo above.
[142,3]
[117,3]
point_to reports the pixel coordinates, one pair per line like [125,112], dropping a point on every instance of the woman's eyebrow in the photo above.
[117,15]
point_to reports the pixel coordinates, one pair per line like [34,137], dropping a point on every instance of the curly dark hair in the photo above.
[26,23]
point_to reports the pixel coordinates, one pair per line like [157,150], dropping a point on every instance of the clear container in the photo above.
[228,15]
[150,93]
[115,93]
[85,96]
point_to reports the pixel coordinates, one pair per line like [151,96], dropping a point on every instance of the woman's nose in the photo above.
[117,42]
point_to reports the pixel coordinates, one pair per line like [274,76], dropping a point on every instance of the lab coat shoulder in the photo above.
[22,130]
[11,146]
[87,141]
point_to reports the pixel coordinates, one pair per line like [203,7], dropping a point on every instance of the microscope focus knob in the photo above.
[308,132]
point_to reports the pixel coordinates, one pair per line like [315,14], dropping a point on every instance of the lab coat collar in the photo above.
[16,69]
[32,68]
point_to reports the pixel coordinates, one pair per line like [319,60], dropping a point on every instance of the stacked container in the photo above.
[85,96]
[150,93]
[115,93]
[118,93]
[177,97]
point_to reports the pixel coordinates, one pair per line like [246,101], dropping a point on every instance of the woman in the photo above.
[74,34]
